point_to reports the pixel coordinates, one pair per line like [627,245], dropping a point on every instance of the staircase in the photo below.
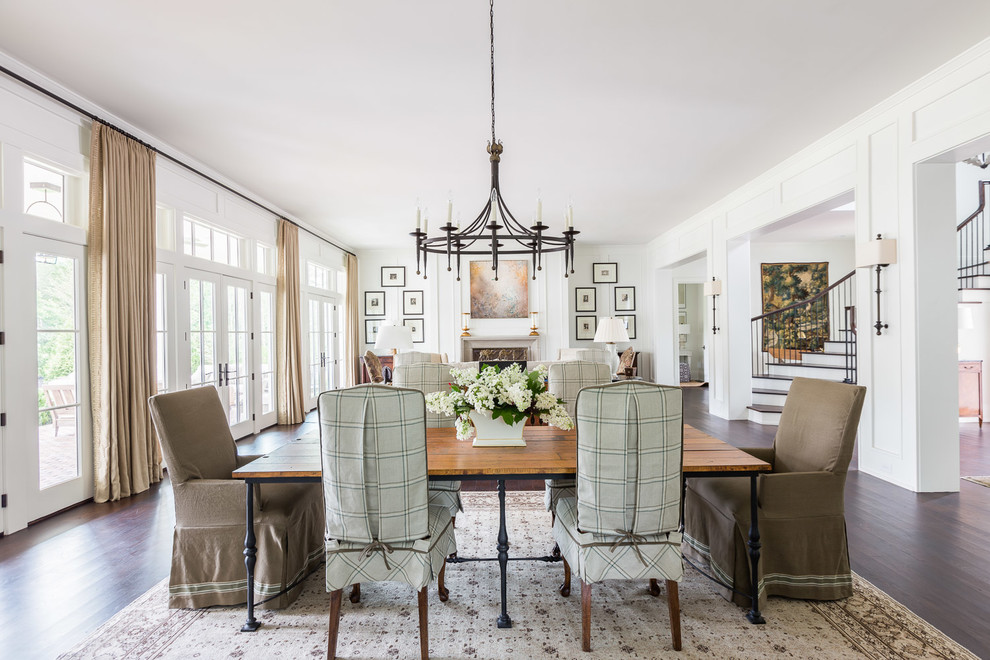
[813,338]
[973,239]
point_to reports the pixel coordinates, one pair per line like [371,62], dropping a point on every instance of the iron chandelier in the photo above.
[496,231]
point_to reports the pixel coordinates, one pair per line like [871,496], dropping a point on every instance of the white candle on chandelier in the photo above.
[570,216]
[417,219]
[539,210]
[426,221]
[450,208]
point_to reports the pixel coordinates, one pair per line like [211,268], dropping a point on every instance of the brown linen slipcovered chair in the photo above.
[428,377]
[804,552]
[565,380]
[379,525]
[208,541]
[623,524]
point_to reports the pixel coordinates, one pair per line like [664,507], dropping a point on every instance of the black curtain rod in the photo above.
[86,113]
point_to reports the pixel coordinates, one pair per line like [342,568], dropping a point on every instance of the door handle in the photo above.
[219,374]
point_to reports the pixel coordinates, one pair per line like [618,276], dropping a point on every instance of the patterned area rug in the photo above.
[626,621]
[983,481]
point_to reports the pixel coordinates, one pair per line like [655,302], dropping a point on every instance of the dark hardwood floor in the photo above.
[63,577]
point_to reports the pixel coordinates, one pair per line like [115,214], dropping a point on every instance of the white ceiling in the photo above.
[344,113]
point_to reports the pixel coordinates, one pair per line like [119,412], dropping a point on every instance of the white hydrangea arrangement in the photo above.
[510,394]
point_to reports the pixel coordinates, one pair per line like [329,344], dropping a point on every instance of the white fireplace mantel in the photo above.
[531,344]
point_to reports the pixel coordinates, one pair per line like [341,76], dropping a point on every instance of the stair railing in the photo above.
[972,237]
[782,336]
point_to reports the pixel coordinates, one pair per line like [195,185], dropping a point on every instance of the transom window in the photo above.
[265,259]
[318,276]
[44,191]
[206,242]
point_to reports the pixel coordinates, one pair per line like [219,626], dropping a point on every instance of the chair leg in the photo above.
[585,616]
[334,625]
[565,588]
[442,591]
[555,553]
[424,637]
[654,587]
[674,605]
[355,596]
[453,521]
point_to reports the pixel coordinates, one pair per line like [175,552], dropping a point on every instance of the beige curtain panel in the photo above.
[353,318]
[288,328]
[121,303]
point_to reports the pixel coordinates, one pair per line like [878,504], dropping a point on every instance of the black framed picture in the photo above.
[606,273]
[630,321]
[393,275]
[585,299]
[371,330]
[625,298]
[374,303]
[585,327]
[417,326]
[412,303]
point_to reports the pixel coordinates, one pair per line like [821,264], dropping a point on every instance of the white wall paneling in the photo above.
[908,370]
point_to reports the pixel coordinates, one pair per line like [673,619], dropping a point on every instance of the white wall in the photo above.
[445,299]
[942,117]
[633,270]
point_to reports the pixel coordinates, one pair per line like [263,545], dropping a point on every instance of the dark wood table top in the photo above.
[548,450]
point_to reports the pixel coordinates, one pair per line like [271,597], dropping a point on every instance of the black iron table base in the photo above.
[502,546]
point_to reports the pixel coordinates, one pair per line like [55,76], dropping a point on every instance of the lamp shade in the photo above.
[397,337]
[713,288]
[611,330]
[880,252]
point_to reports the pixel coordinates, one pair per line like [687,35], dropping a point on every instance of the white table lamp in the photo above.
[395,338]
[611,331]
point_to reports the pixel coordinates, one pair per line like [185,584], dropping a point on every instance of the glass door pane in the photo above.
[266,336]
[58,347]
[315,347]
[236,372]
[202,332]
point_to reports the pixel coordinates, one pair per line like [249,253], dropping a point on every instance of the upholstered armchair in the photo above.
[565,380]
[379,525]
[801,505]
[208,541]
[427,378]
[416,357]
[623,523]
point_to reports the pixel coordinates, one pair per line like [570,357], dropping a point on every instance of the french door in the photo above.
[220,343]
[59,463]
[321,345]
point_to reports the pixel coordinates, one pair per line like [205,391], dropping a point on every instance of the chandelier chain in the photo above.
[491,23]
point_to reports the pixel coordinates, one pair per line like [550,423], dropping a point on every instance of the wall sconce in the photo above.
[880,253]
[713,288]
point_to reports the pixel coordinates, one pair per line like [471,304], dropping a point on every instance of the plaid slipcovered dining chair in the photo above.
[623,523]
[428,378]
[565,380]
[379,525]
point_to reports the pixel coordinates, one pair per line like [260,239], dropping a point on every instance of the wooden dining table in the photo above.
[550,453]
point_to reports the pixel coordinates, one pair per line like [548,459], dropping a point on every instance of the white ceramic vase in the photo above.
[490,432]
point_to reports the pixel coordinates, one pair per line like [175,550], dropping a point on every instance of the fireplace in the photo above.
[499,354]
[508,349]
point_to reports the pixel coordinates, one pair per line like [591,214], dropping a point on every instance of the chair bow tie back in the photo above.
[377,546]
[630,538]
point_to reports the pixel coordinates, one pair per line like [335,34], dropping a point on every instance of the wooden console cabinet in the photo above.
[971,389]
